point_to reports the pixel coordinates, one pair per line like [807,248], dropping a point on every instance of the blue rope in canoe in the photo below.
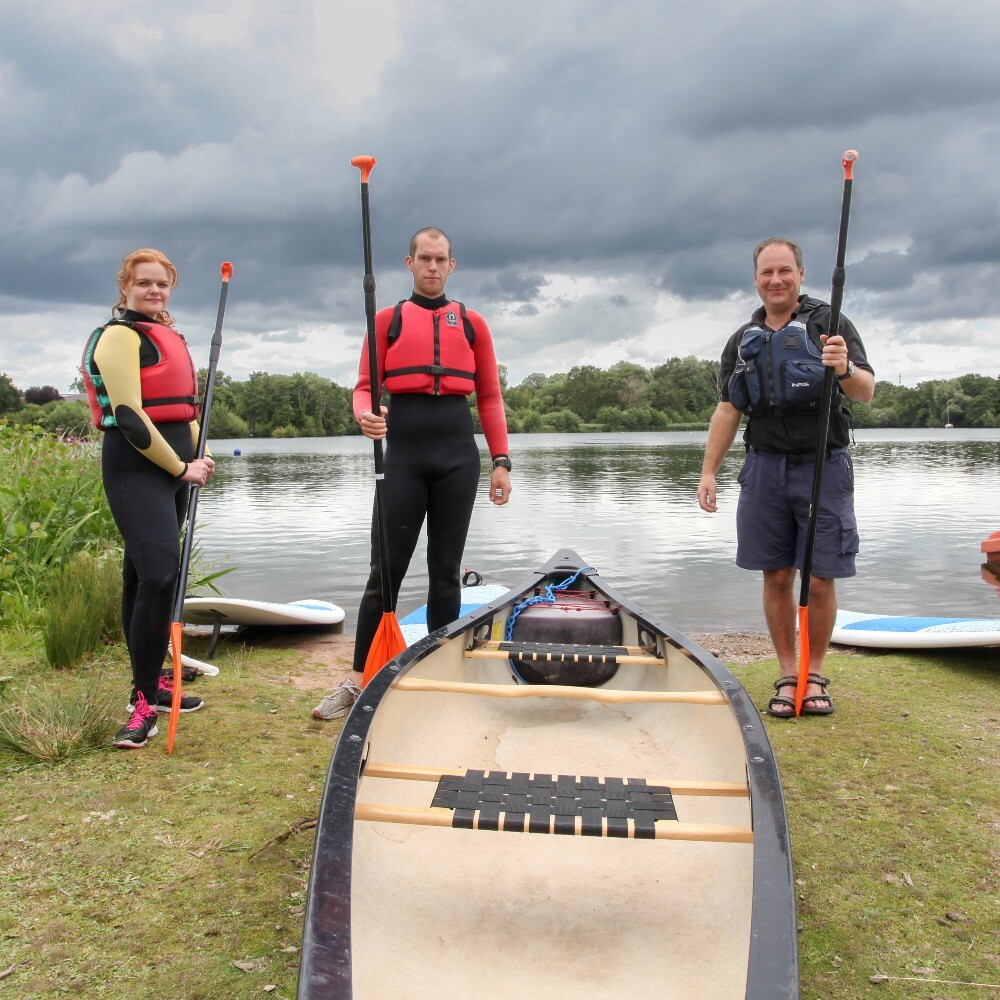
[548,597]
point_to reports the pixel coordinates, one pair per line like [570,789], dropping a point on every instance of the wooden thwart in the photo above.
[560,653]
[664,831]
[413,772]
[608,697]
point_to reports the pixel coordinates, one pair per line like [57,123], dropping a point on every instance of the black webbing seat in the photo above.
[552,803]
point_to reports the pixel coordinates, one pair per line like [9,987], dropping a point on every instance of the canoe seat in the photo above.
[562,804]
[551,803]
[570,653]
[555,652]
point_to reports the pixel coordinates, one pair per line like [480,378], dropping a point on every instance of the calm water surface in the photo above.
[294,518]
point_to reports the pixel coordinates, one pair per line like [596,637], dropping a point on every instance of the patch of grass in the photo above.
[84,608]
[894,809]
[54,718]
[129,873]
[132,871]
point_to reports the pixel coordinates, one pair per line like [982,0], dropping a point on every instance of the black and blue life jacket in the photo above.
[780,371]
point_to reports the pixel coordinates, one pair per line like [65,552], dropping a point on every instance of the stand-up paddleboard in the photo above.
[234,611]
[221,611]
[414,625]
[853,628]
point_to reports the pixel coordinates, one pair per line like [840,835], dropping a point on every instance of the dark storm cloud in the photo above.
[633,143]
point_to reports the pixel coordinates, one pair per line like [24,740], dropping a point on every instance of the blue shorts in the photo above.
[772,518]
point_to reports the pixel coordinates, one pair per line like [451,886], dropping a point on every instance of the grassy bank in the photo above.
[134,874]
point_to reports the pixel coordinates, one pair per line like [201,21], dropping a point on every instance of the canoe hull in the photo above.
[402,903]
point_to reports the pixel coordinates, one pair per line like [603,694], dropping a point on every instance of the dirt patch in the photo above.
[737,647]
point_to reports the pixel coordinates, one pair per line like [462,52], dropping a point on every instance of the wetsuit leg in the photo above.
[449,512]
[148,505]
[431,465]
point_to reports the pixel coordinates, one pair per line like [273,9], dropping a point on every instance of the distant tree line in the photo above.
[677,395]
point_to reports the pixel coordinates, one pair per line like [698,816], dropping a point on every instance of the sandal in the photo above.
[808,704]
[780,700]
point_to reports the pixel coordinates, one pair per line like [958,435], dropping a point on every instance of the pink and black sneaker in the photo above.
[140,728]
[164,694]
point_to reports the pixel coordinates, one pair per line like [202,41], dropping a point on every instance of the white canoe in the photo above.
[625,837]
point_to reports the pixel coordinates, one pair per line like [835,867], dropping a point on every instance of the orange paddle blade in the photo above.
[388,642]
[800,687]
[176,636]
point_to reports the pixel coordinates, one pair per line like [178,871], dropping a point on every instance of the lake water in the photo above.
[294,518]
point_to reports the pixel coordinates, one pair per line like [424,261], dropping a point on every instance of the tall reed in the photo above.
[51,505]
[84,608]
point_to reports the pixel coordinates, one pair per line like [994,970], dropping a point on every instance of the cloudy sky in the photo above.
[604,171]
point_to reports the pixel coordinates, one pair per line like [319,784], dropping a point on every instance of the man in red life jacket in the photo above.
[432,354]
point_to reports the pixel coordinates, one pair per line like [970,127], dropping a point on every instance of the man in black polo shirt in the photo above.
[772,372]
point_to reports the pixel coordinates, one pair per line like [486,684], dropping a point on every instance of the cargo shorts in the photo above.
[772,517]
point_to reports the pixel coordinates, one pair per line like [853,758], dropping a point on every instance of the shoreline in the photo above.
[335,649]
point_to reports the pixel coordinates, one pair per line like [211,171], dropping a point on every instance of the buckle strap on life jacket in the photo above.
[430,370]
[170,401]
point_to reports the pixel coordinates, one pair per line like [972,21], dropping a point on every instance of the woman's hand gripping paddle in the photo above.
[836,300]
[177,624]
[388,640]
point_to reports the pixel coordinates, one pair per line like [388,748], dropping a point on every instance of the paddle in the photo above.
[176,625]
[388,640]
[836,299]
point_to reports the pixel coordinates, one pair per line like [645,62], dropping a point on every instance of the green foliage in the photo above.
[84,608]
[51,505]
[58,718]
[223,423]
[67,418]
[10,395]
[296,405]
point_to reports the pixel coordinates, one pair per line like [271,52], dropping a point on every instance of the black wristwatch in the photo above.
[851,369]
[501,462]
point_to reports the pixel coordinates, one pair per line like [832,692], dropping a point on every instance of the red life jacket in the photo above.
[168,379]
[430,350]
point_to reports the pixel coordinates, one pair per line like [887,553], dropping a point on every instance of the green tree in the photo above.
[686,387]
[587,389]
[10,395]
[223,423]
[66,418]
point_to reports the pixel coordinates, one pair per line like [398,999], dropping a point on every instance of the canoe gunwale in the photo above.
[326,966]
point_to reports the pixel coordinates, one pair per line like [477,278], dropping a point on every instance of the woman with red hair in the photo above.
[143,391]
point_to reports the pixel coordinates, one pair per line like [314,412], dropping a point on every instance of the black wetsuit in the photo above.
[432,471]
[148,505]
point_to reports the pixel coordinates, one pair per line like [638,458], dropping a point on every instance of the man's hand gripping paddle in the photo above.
[836,300]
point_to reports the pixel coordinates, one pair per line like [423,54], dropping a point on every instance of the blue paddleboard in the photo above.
[414,625]
[853,628]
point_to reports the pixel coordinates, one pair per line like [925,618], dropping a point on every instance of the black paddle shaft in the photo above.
[836,300]
[206,412]
[381,516]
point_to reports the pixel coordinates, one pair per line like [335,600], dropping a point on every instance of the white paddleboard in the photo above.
[414,625]
[234,611]
[853,628]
